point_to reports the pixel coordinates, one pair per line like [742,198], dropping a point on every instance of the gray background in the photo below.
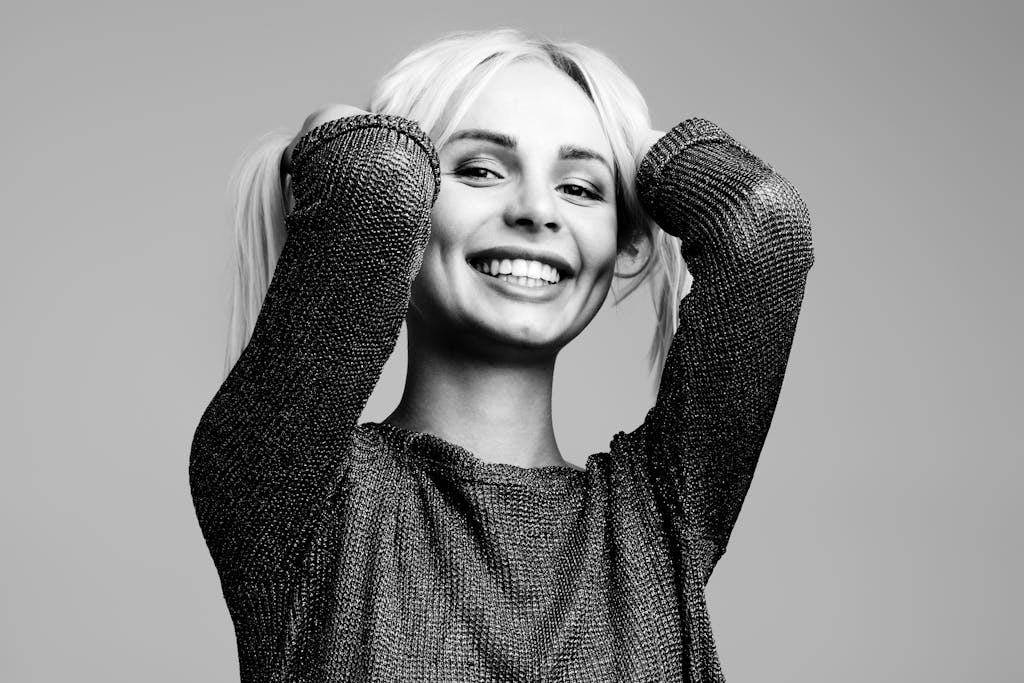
[880,539]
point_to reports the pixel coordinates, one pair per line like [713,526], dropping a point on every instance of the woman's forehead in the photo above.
[535,104]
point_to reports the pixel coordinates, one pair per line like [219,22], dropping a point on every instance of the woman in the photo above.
[488,199]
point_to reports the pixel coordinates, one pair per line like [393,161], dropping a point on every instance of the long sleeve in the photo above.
[746,236]
[274,441]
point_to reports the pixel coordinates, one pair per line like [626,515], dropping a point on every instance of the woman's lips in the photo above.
[523,292]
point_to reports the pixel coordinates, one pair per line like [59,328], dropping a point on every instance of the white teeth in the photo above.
[521,271]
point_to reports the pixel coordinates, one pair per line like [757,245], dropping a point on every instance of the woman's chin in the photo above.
[525,329]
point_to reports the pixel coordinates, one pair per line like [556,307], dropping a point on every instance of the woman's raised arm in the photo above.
[746,237]
[274,441]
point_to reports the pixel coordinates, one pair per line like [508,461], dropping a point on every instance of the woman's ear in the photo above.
[633,257]
[631,269]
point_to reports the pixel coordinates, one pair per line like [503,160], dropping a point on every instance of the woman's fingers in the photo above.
[327,113]
[652,137]
[319,117]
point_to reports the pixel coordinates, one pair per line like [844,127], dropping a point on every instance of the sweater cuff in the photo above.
[330,130]
[690,132]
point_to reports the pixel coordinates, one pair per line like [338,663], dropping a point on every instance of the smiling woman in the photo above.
[491,196]
[509,191]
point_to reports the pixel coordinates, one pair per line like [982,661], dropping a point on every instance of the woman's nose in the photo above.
[532,205]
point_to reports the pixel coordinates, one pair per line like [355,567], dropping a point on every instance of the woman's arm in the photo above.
[273,443]
[746,237]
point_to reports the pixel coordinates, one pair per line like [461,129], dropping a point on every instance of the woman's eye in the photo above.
[580,191]
[477,172]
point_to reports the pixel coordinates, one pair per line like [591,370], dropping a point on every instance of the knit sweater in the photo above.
[355,551]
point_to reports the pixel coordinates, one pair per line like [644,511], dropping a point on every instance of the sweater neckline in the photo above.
[437,453]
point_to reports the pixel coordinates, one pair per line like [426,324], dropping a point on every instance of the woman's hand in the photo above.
[322,115]
[649,140]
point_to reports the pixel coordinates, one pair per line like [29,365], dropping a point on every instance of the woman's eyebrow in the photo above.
[574,152]
[500,139]
[567,152]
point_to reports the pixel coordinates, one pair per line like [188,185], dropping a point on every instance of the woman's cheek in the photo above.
[456,205]
[598,239]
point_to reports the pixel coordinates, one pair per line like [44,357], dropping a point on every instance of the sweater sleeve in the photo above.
[746,237]
[272,445]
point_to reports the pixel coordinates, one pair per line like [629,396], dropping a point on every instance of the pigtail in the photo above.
[671,283]
[259,200]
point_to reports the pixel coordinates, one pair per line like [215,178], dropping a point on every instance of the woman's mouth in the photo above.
[521,272]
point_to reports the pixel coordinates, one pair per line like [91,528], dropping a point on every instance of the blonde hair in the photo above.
[435,86]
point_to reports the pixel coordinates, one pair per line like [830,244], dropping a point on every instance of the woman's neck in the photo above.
[499,410]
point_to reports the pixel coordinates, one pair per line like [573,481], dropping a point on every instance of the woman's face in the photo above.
[526,183]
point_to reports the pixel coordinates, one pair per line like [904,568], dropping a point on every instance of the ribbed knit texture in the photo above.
[367,552]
